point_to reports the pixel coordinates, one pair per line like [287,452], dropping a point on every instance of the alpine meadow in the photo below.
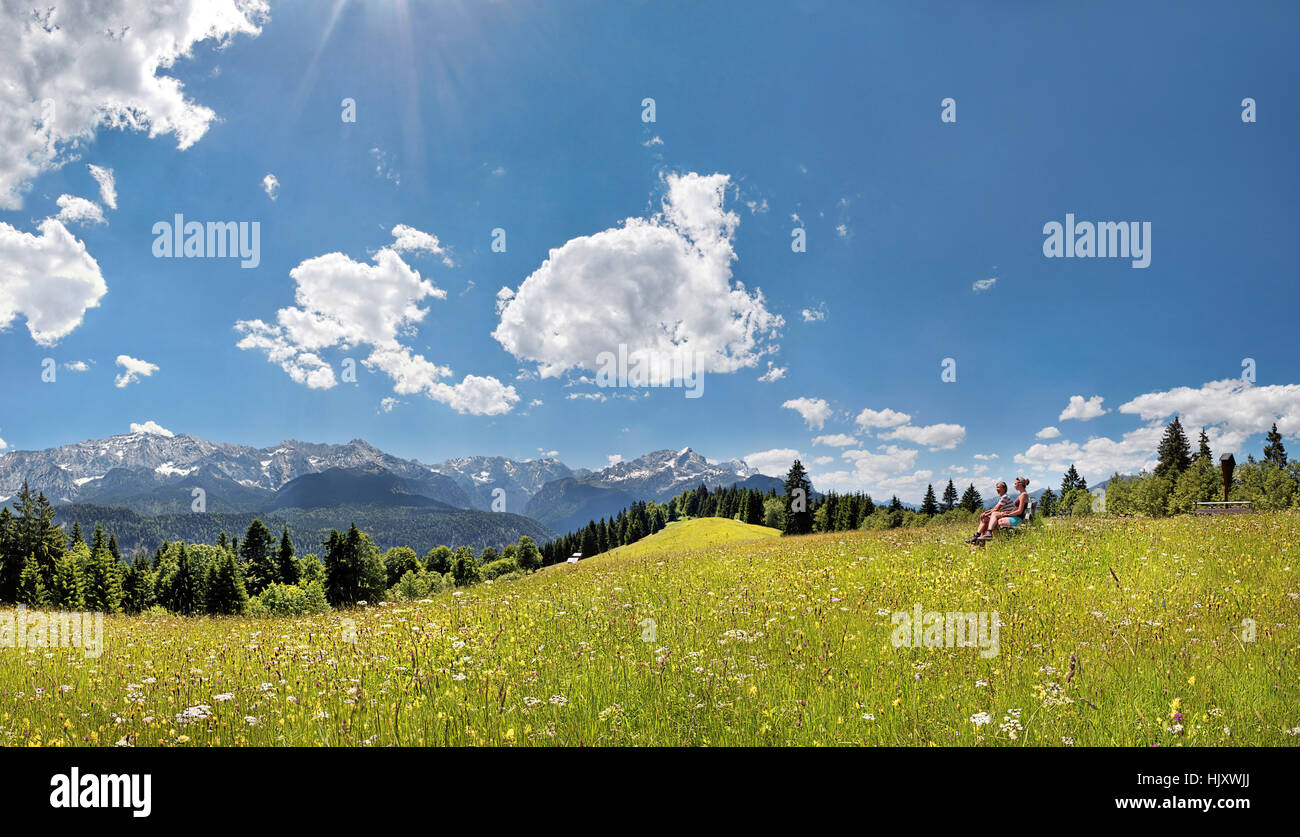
[423,400]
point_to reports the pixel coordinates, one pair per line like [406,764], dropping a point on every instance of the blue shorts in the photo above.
[1015,521]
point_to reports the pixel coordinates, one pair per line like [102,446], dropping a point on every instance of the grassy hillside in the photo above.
[700,533]
[778,641]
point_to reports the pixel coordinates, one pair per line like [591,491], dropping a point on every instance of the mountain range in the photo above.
[155,475]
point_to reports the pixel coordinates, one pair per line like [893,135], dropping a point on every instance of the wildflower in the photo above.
[194,713]
[979,719]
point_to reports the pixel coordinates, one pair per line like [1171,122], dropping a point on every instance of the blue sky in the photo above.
[528,117]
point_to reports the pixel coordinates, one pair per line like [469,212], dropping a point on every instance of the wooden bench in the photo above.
[1224,507]
[1015,530]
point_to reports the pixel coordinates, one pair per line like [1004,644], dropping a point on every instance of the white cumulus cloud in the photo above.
[660,285]
[1047,433]
[1083,410]
[815,411]
[345,303]
[133,369]
[1233,409]
[933,436]
[838,440]
[73,67]
[869,418]
[410,240]
[151,427]
[271,185]
[75,210]
[773,463]
[49,279]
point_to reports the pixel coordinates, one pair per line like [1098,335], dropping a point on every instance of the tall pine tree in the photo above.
[929,506]
[1273,450]
[1175,452]
[1204,451]
[949,498]
[796,518]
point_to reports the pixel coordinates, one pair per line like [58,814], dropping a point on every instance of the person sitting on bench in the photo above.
[1007,518]
[1005,502]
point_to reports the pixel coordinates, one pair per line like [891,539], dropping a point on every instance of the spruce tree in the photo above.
[138,585]
[949,497]
[34,535]
[225,586]
[796,518]
[1273,450]
[289,570]
[69,588]
[31,589]
[588,543]
[104,583]
[1204,452]
[1047,503]
[10,565]
[354,568]
[929,506]
[186,593]
[1175,452]
[261,568]
[1071,481]
[971,500]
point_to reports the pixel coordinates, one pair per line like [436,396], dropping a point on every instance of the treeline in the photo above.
[824,513]
[420,529]
[42,566]
[1181,479]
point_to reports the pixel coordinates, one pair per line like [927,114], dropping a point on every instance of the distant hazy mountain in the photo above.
[565,505]
[665,473]
[351,486]
[153,474]
[480,476]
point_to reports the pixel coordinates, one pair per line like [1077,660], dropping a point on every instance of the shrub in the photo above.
[311,569]
[398,561]
[465,568]
[439,559]
[290,600]
[499,567]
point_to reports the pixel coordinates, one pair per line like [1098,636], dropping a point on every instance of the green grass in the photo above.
[699,533]
[773,641]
